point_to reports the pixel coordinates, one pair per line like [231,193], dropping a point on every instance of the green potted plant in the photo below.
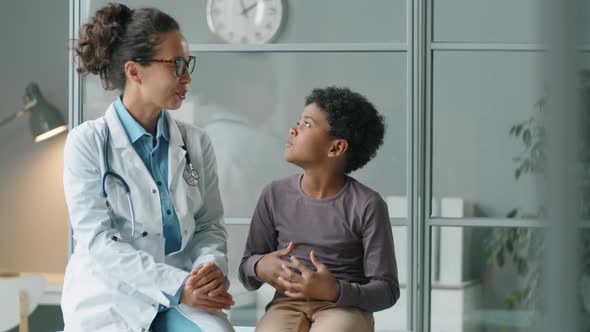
[524,246]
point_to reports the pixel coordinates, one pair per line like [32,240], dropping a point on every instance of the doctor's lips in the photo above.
[181,94]
[288,145]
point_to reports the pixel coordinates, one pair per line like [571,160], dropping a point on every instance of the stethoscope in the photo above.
[191,176]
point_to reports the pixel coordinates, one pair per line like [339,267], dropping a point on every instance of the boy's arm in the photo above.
[262,239]
[382,290]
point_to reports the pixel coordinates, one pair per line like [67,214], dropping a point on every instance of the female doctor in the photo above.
[142,189]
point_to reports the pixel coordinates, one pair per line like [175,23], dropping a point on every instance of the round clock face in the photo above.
[245,21]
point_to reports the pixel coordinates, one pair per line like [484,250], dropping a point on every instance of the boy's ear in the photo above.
[338,148]
[133,71]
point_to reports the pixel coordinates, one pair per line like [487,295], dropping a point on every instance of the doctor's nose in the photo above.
[293,131]
[186,78]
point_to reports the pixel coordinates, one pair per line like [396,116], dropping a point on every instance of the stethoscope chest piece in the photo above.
[190,175]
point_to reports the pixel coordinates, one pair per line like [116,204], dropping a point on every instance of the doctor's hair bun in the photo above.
[117,34]
[99,38]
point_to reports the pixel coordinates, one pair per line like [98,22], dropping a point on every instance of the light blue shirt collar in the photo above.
[133,129]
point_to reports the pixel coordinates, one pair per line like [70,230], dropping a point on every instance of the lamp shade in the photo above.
[45,120]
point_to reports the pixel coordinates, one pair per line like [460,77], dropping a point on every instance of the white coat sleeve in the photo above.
[131,270]
[209,241]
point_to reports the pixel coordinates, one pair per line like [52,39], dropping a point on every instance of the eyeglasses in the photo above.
[182,65]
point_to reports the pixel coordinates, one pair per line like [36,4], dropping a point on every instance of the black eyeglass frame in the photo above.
[181,64]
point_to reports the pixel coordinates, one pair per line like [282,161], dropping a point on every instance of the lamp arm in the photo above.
[27,107]
[12,117]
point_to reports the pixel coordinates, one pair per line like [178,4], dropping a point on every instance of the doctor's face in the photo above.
[161,85]
[309,141]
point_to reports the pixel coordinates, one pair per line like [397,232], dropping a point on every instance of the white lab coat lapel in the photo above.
[186,199]
[176,154]
[120,143]
[126,162]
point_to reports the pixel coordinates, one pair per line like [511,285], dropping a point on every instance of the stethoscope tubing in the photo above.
[194,174]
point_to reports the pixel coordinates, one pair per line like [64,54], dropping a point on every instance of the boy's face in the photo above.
[309,142]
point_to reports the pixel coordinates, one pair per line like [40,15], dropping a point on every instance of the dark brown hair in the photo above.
[117,34]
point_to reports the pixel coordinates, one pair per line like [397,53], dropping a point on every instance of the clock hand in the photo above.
[242,5]
[246,10]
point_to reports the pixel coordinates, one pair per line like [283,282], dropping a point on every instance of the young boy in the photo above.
[337,264]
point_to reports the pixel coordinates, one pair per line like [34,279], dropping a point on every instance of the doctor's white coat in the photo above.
[117,286]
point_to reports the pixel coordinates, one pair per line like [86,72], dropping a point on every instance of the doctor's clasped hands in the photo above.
[205,289]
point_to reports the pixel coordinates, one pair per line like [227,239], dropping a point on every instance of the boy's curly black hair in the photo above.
[353,118]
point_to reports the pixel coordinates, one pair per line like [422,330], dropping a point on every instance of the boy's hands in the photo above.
[318,285]
[205,289]
[268,268]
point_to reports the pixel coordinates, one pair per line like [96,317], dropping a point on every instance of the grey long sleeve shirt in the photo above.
[349,232]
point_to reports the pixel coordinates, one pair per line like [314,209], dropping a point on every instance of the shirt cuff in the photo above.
[174,299]
[220,262]
[250,267]
[345,298]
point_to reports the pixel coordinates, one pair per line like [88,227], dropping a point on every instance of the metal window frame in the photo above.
[416,170]
[74,87]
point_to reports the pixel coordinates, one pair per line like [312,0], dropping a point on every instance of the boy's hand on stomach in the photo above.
[269,267]
[317,285]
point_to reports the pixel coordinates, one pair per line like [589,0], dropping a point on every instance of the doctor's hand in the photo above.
[209,279]
[198,293]
[317,285]
[268,268]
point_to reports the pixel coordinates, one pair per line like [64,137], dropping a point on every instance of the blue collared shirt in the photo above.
[155,159]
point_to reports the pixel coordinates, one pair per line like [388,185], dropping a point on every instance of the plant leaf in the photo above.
[526,137]
[522,267]
[500,257]
[512,213]
[510,246]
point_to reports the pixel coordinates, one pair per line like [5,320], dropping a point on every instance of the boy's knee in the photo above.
[283,320]
[344,320]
